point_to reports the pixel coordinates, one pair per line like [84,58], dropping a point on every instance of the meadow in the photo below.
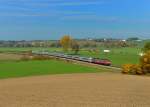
[118,56]
[9,69]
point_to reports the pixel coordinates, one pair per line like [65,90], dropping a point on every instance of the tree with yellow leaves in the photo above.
[145,62]
[65,42]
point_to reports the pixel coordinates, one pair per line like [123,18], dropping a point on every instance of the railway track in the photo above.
[68,59]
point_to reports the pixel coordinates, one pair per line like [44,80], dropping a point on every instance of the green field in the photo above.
[118,56]
[7,49]
[9,69]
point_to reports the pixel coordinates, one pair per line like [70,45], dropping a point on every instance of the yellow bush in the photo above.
[126,68]
[146,68]
[145,62]
[137,69]
[132,69]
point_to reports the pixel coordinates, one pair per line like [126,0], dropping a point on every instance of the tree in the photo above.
[133,39]
[75,46]
[146,47]
[145,62]
[65,42]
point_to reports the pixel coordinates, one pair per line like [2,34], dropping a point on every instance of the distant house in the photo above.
[139,40]
[106,51]
[123,40]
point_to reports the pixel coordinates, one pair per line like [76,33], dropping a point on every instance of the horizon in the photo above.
[51,19]
[79,38]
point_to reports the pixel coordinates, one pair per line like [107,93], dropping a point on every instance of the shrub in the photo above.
[25,58]
[126,68]
[40,57]
[137,69]
[145,62]
[146,47]
[132,69]
[36,57]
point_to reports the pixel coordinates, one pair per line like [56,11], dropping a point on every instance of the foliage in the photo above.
[55,44]
[40,57]
[145,62]
[126,68]
[142,68]
[133,39]
[65,42]
[132,69]
[35,57]
[75,46]
[146,47]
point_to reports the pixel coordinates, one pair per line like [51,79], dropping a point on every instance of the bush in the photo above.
[145,62]
[143,67]
[126,68]
[146,47]
[25,58]
[40,57]
[132,69]
[36,57]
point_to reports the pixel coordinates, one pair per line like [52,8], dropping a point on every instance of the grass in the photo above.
[15,49]
[31,68]
[118,56]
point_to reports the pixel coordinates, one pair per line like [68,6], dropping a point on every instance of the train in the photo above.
[98,61]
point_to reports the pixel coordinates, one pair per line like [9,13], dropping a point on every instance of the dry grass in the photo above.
[6,56]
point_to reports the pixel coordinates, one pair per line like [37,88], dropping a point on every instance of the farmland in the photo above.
[31,68]
[76,90]
[9,57]
[118,56]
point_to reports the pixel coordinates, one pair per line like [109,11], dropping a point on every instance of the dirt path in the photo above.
[76,90]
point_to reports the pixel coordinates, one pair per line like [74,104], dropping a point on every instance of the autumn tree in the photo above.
[75,46]
[145,59]
[145,62]
[146,47]
[65,42]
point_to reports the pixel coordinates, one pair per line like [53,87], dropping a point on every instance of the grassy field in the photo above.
[7,49]
[30,68]
[118,56]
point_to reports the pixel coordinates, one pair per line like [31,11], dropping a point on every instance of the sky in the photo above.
[51,19]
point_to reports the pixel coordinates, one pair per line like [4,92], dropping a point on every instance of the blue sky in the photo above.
[51,19]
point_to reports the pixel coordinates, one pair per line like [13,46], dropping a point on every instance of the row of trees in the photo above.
[68,42]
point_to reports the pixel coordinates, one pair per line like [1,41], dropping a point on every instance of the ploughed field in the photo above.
[76,90]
